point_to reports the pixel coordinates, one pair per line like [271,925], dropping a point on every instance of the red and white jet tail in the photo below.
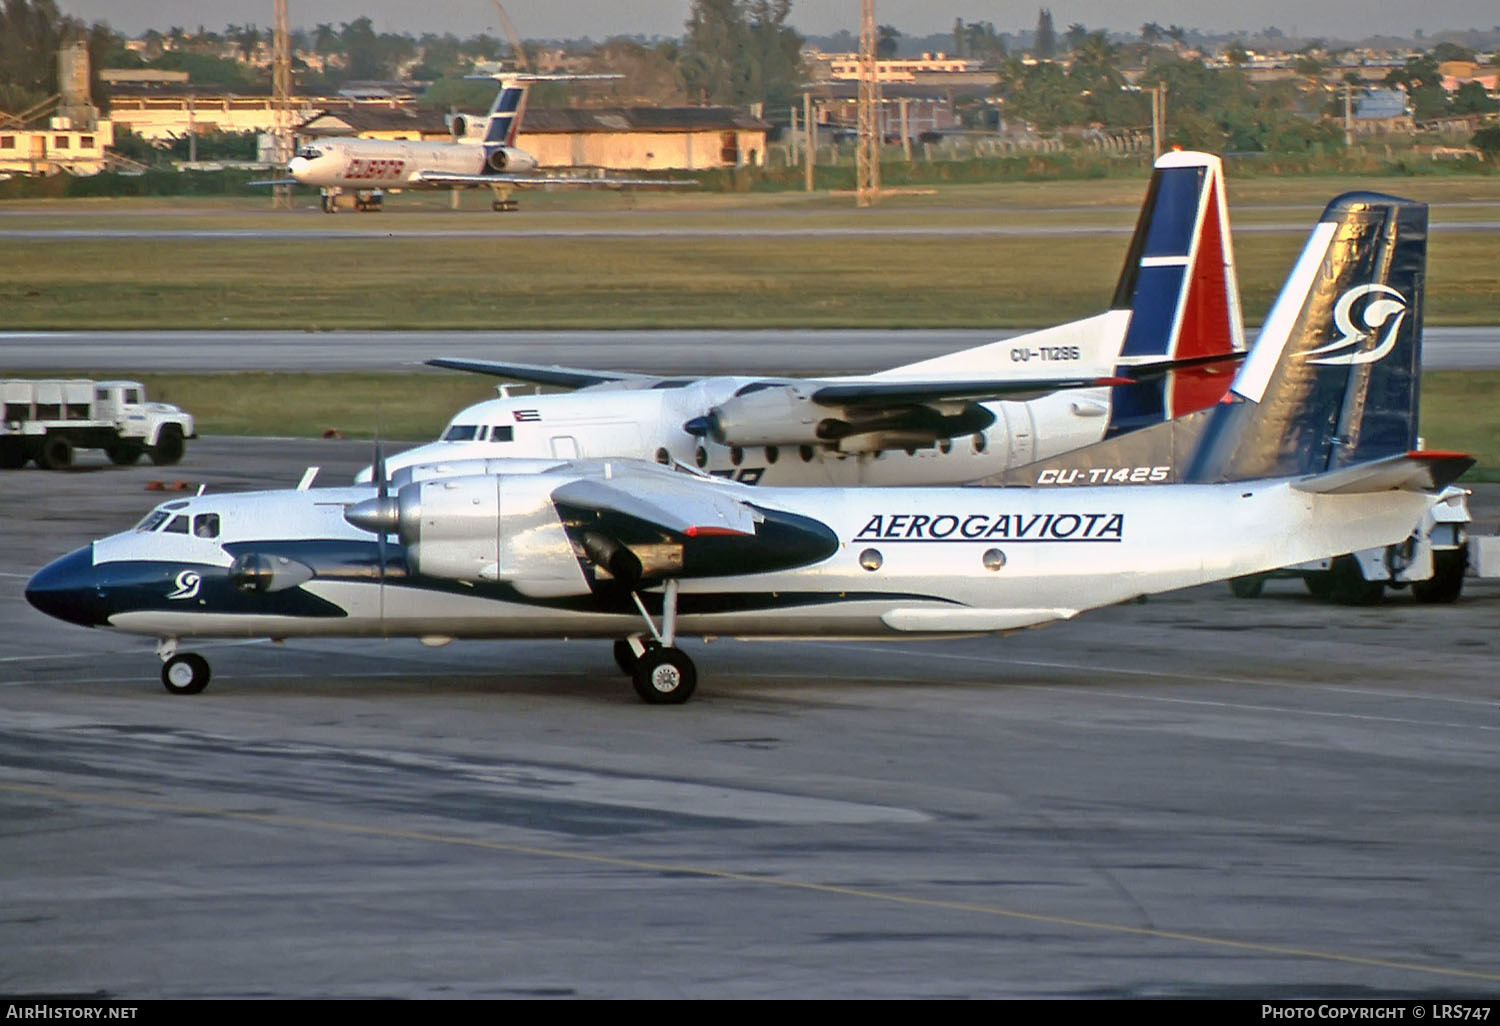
[1174,323]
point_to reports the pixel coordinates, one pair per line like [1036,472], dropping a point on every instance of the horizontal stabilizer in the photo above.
[1427,471]
[562,377]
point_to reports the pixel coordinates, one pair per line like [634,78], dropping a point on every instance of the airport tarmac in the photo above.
[841,351]
[1194,796]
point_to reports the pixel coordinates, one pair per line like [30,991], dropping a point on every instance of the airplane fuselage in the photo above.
[888,562]
[370,164]
[647,424]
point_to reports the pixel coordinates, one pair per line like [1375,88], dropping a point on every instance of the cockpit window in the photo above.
[502,433]
[309,152]
[206,525]
[179,525]
[153,520]
[461,433]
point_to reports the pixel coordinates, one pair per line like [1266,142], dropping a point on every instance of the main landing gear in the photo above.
[182,673]
[661,673]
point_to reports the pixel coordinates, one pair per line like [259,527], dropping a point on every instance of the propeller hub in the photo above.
[380,515]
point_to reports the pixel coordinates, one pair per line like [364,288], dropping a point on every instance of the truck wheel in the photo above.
[1447,580]
[124,454]
[56,453]
[1347,585]
[169,446]
[1318,582]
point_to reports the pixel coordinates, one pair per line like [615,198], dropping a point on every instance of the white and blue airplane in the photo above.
[1311,453]
[1165,347]
[483,155]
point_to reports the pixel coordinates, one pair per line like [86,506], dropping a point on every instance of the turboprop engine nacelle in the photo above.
[775,415]
[788,415]
[508,158]
[497,527]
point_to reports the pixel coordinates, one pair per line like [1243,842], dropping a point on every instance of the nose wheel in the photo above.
[186,673]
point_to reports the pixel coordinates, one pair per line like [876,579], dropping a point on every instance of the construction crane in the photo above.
[515,40]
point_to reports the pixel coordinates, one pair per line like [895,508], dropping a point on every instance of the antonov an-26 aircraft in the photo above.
[1165,347]
[369,167]
[1309,454]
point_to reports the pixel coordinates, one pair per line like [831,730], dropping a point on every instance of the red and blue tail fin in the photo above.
[1180,287]
[504,118]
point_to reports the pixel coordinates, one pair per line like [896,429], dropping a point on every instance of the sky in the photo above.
[599,19]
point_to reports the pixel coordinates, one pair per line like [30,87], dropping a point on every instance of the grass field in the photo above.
[1459,408]
[468,274]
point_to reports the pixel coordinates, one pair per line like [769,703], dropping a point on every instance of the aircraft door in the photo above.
[1021,432]
[564,447]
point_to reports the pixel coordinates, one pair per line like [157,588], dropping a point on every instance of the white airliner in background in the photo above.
[1166,347]
[486,158]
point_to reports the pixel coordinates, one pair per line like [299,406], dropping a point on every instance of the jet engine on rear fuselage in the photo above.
[508,159]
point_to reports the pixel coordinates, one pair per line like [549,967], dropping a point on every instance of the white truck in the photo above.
[1432,561]
[47,420]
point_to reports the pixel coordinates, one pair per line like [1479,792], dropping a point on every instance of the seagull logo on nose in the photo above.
[187,585]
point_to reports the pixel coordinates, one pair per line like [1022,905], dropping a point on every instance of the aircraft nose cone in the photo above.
[68,588]
[297,167]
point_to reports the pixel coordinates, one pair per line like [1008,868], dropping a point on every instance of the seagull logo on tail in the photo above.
[1387,312]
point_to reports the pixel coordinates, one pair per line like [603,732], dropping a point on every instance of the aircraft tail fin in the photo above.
[1180,288]
[1177,299]
[503,121]
[1331,384]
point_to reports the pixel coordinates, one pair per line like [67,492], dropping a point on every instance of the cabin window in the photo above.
[133,396]
[206,525]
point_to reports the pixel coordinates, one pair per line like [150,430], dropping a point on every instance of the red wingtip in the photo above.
[1437,454]
[1115,381]
[712,532]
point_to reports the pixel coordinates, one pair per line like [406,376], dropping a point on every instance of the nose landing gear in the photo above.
[182,673]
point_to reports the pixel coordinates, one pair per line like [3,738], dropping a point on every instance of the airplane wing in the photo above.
[563,377]
[275,181]
[502,178]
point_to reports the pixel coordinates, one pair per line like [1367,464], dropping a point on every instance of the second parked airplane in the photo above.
[1166,346]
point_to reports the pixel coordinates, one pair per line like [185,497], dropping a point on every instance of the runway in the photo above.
[1196,796]
[664,352]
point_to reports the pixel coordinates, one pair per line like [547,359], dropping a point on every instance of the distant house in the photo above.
[682,138]
[1382,111]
